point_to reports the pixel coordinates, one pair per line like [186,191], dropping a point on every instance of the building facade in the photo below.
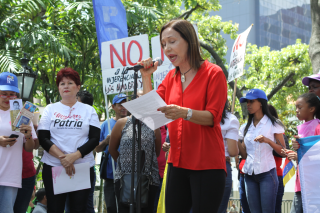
[277,23]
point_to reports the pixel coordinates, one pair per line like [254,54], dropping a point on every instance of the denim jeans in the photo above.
[90,205]
[227,190]
[279,195]
[8,196]
[262,191]
[243,196]
[24,195]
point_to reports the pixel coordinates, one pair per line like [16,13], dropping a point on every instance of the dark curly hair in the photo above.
[313,101]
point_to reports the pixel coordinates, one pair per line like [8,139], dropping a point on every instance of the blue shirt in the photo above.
[103,134]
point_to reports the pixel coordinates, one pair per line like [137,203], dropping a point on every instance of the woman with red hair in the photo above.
[68,131]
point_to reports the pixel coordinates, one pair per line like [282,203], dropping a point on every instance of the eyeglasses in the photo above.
[10,97]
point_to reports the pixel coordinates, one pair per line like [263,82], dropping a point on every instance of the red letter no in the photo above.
[128,52]
[113,50]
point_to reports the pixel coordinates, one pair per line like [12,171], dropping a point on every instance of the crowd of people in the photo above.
[202,138]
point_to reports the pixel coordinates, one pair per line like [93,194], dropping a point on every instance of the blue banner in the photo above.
[111,21]
[309,173]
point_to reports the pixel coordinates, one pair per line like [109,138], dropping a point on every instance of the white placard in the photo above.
[161,73]
[237,55]
[124,52]
[162,70]
[63,183]
[112,80]
[157,51]
[116,56]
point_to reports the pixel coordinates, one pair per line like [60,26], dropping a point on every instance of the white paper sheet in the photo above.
[145,109]
[63,183]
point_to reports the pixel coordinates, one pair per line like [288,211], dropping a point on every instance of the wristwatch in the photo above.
[189,114]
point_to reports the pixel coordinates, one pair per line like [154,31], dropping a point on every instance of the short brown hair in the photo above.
[187,32]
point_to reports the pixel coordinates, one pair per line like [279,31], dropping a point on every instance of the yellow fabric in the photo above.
[288,176]
[161,204]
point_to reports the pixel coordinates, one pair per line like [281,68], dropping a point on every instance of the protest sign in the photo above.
[162,70]
[116,56]
[237,56]
[237,61]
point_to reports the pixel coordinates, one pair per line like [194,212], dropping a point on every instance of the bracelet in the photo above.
[29,137]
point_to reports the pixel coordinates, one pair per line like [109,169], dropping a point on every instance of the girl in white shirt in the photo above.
[229,129]
[260,136]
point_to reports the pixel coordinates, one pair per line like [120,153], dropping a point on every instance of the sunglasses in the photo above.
[10,97]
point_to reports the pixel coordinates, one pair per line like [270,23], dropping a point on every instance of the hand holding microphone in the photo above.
[147,66]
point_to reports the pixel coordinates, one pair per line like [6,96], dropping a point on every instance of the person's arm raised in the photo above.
[146,73]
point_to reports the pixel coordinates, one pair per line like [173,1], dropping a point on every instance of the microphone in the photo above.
[138,66]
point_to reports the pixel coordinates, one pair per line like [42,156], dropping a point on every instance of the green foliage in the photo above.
[267,69]
[58,34]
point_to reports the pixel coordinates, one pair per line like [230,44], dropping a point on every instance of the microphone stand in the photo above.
[136,124]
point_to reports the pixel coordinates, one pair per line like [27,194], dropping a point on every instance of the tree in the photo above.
[314,49]
[62,33]
[278,73]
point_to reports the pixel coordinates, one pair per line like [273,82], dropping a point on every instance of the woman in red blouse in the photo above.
[195,92]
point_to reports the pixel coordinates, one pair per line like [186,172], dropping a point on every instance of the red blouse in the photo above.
[193,146]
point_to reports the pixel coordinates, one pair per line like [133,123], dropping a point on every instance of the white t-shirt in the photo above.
[241,131]
[229,130]
[69,129]
[259,155]
[11,158]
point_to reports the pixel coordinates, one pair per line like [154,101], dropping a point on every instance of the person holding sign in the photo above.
[11,144]
[260,136]
[68,131]
[196,92]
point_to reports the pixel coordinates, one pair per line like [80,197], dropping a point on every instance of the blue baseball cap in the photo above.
[118,98]
[9,82]
[254,94]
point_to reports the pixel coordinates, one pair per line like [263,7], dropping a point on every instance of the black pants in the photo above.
[149,209]
[110,196]
[200,189]
[56,203]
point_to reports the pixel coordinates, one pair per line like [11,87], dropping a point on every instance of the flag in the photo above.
[111,20]
[309,173]
[288,171]
[237,55]
[161,203]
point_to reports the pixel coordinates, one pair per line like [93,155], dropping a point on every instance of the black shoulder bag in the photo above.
[125,186]
[103,165]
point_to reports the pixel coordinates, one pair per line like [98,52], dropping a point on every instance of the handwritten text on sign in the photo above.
[116,56]
[112,80]
[124,52]
[237,56]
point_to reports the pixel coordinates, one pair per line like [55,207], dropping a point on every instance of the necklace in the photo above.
[183,78]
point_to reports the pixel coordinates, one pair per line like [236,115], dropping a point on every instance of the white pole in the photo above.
[109,130]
